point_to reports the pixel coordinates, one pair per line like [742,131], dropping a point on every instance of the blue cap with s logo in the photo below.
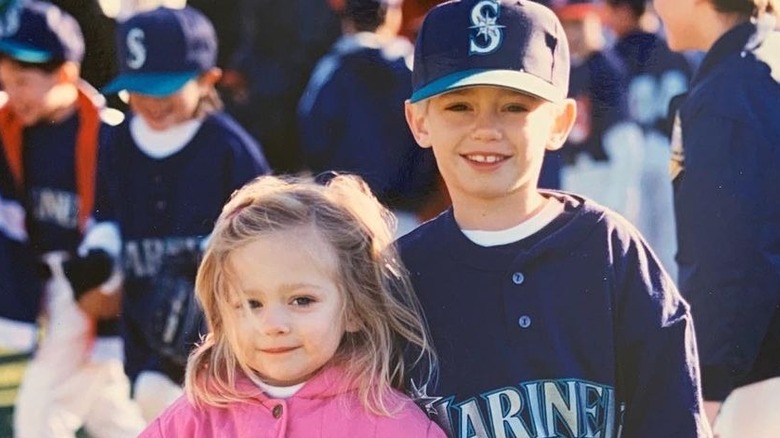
[161,50]
[517,44]
[39,32]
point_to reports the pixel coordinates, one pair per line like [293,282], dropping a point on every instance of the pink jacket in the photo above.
[324,407]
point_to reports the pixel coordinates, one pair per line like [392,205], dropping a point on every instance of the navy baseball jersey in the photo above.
[726,157]
[573,331]
[20,284]
[49,192]
[655,76]
[165,207]
[351,118]
[598,85]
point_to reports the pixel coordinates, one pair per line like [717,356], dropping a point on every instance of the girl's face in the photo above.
[162,113]
[291,322]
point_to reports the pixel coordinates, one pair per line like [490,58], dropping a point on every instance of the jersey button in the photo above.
[524,321]
[518,278]
[277,411]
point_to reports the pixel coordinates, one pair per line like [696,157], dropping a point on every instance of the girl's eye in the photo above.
[302,301]
[254,304]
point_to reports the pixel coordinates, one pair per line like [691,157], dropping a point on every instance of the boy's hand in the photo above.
[711,409]
[100,305]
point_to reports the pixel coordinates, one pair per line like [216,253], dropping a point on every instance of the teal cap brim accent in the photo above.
[24,53]
[150,84]
[512,79]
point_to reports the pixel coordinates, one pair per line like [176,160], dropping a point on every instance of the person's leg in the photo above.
[154,392]
[751,411]
[113,413]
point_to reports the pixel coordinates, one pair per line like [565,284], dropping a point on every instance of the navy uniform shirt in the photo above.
[598,85]
[351,118]
[573,331]
[166,207]
[726,164]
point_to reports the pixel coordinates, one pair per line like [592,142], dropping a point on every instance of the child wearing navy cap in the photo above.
[550,314]
[51,128]
[161,185]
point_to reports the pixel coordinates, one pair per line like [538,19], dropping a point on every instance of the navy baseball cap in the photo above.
[39,33]
[517,44]
[161,50]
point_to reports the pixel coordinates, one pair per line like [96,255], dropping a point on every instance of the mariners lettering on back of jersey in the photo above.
[489,35]
[537,409]
[136,51]
[677,164]
[55,207]
[144,258]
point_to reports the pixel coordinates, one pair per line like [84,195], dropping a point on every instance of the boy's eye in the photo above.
[516,108]
[457,107]
[302,301]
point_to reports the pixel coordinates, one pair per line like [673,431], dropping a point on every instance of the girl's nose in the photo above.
[274,321]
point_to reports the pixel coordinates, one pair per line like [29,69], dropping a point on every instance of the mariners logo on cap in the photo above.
[489,35]
[136,51]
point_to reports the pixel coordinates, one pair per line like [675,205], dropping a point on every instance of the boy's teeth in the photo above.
[484,158]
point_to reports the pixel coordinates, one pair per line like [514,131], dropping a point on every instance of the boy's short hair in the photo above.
[367,15]
[40,33]
[161,50]
[518,44]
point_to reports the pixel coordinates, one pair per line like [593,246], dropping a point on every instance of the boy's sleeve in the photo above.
[724,201]
[657,363]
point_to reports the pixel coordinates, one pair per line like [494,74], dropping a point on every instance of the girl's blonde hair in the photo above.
[391,338]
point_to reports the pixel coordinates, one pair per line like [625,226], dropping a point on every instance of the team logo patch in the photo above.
[136,51]
[677,164]
[486,34]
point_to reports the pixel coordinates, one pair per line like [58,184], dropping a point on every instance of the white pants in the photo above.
[66,385]
[613,183]
[154,392]
[751,411]
[656,210]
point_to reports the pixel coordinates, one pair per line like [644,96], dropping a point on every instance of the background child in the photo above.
[162,183]
[550,314]
[351,115]
[725,161]
[310,319]
[51,129]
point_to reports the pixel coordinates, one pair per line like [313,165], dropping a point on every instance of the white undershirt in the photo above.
[277,391]
[162,144]
[552,208]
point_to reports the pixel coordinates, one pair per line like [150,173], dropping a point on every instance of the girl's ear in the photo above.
[416,118]
[564,118]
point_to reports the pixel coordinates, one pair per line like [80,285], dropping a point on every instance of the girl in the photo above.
[310,320]
[162,182]
[725,156]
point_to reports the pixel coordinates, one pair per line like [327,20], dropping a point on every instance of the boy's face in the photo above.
[162,113]
[489,142]
[33,94]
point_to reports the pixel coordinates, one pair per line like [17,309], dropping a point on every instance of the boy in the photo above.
[50,131]
[550,315]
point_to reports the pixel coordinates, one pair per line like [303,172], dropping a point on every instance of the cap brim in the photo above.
[24,53]
[150,84]
[512,79]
